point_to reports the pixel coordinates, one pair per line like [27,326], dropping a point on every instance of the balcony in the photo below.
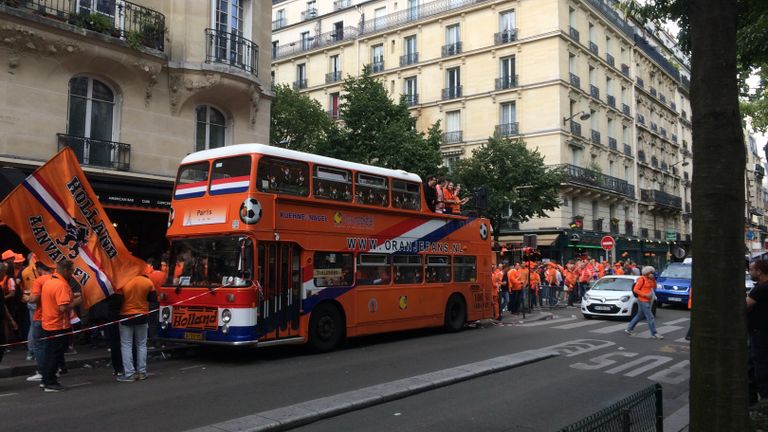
[506,82]
[625,109]
[686,175]
[597,225]
[644,233]
[628,228]
[575,80]
[341,4]
[609,58]
[98,153]
[640,82]
[308,14]
[333,77]
[654,127]
[573,33]
[593,48]
[653,91]
[300,84]
[611,101]
[641,119]
[685,82]
[662,98]
[452,137]
[664,167]
[613,227]
[322,40]
[576,128]
[415,13]
[451,92]
[505,36]
[279,23]
[628,150]
[684,115]
[596,180]
[377,66]
[673,106]
[594,91]
[641,156]
[662,199]
[411,99]
[451,49]
[232,50]
[612,144]
[595,137]
[625,69]
[654,162]
[409,59]
[508,129]
[663,132]
[137,25]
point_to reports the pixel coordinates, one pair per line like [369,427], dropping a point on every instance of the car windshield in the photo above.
[614,284]
[211,262]
[677,271]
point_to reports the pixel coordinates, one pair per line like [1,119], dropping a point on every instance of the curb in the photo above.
[304,413]
[29,369]
[678,420]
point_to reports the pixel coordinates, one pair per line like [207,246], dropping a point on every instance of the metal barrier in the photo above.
[641,411]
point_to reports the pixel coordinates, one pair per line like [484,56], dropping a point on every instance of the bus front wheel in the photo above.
[326,327]
[455,313]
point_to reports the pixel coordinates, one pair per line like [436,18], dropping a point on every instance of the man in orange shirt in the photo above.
[138,293]
[57,301]
[514,287]
[36,329]
[28,276]
[498,277]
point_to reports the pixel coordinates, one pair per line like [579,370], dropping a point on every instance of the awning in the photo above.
[133,194]
[541,239]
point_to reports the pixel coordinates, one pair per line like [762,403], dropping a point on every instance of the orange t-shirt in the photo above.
[513,280]
[8,284]
[449,199]
[157,277]
[643,287]
[56,292]
[135,295]
[37,289]
[28,276]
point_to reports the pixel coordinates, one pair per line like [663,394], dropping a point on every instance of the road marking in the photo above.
[677,321]
[653,362]
[577,325]
[191,367]
[547,322]
[80,384]
[578,347]
[8,394]
[602,361]
[682,340]
[614,328]
[673,375]
[661,330]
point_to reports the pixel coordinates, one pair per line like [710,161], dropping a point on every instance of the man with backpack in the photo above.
[643,290]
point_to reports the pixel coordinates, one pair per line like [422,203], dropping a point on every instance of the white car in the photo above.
[612,296]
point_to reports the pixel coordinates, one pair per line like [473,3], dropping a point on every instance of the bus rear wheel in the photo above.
[455,313]
[326,328]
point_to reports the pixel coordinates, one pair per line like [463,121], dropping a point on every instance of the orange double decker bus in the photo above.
[273,246]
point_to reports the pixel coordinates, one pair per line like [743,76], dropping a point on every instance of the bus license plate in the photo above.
[193,336]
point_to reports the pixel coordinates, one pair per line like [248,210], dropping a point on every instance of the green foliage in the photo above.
[134,39]
[298,122]
[94,21]
[516,179]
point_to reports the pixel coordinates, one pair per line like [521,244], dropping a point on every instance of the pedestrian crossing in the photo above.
[602,327]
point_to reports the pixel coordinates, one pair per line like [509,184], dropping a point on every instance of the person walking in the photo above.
[57,301]
[643,290]
[757,319]
[502,290]
[36,333]
[137,293]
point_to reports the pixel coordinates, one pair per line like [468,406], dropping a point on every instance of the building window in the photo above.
[379,18]
[91,115]
[411,55]
[507,78]
[334,105]
[377,58]
[508,119]
[305,40]
[450,162]
[410,89]
[453,84]
[452,40]
[275,45]
[413,9]
[211,128]
[452,127]
[301,76]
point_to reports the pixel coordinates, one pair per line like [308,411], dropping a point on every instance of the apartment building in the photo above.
[132,88]
[593,92]
[755,197]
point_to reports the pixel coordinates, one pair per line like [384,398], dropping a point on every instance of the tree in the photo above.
[519,185]
[379,132]
[298,122]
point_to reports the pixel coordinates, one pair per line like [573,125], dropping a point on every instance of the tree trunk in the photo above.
[718,391]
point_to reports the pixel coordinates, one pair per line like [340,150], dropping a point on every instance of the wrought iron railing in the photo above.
[573,33]
[506,82]
[628,150]
[300,84]
[406,15]
[322,40]
[452,137]
[451,49]
[612,144]
[661,198]
[593,48]
[409,59]
[576,128]
[595,136]
[625,69]
[597,225]
[451,92]
[594,179]
[231,49]
[609,58]
[505,36]
[333,76]
[377,67]
[575,80]
[611,101]
[411,99]
[278,24]
[594,91]
[309,14]
[98,153]
[341,4]
[628,228]
[625,109]
[508,129]
[640,82]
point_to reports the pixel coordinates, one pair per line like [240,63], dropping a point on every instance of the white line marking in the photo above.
[547,322]
[615,328]
[577,325]
[682,340]
[191,367]
[8,394]
[677,321]
[661,330]
[80,384]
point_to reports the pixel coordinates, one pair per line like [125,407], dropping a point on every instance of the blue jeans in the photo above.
[30,340]
[503,301]
[129,334]
[643,310]
[36,334]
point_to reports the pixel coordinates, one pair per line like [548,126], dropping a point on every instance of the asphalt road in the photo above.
[222,384]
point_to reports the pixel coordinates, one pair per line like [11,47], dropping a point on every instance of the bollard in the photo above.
[659,408]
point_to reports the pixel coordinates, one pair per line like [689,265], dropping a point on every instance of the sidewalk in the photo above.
[15,362]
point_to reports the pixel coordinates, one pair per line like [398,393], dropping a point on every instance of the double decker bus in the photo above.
[272,246]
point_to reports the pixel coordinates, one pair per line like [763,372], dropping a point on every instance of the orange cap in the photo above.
[8,254]
[18,259]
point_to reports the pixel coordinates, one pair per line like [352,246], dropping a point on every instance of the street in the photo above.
[598,365]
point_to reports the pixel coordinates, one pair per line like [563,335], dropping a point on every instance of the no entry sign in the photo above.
[607,243]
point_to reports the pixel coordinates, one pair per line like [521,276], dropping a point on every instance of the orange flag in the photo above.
[58,216]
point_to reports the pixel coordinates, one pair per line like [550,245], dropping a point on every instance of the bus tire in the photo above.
[326,327]
[455,313]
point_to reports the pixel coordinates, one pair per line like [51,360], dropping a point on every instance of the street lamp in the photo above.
[684,162]
[584,116]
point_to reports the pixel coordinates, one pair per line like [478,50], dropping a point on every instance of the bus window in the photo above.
[332,183]
[465,269]
[371,190]
[407,269]
[333,269]
[406,195]
[283,176]
[373,269]
[230,175]
[192,180]
[211,262]
[438,268]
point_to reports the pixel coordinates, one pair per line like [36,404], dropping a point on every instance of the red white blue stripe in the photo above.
[42,192]
[230,185]
[190,190]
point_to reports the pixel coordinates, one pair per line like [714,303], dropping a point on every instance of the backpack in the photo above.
[634,293]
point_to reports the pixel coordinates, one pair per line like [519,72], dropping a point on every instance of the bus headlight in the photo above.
[165,313]
[226,316]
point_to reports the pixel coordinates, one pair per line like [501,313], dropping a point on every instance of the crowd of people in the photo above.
[42,306]
[443,196]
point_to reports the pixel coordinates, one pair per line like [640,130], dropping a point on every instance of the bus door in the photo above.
[280,278]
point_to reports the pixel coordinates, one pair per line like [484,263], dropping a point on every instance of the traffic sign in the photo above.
[607,243]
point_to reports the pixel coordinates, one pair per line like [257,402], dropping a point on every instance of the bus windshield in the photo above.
[211,262]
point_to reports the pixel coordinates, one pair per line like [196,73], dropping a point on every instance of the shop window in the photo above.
[333,269]
[407,269]
[438,268]
[283,176]
[465,269]
[192,180]
[406,195]
[373,269]
[230,175]
[371,190]
[332,184]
